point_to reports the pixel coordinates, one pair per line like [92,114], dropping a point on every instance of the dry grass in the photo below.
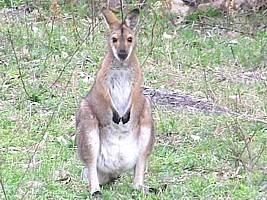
[198,155]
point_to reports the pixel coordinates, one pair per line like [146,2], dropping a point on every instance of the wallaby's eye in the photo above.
[114,40]
[130,39]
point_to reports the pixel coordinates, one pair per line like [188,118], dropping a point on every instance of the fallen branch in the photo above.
[176,100]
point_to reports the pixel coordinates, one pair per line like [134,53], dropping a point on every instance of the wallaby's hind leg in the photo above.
[88,143]
[146,139]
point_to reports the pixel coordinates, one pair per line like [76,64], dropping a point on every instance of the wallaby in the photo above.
[115,129]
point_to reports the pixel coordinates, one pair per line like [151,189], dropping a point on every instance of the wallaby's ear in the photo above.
[110,18]
[132,19]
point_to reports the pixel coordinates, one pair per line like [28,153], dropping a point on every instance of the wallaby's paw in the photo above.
[85,174]
[116,117]
[126,117]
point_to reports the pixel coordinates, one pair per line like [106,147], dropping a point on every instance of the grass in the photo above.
[47,66]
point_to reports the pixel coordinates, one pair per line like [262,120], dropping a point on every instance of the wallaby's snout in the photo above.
[122,54]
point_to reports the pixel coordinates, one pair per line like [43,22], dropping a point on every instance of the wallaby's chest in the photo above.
[120,83]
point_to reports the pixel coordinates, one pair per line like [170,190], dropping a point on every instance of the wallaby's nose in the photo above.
[122,54]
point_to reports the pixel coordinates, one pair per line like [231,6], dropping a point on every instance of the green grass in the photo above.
[197,155]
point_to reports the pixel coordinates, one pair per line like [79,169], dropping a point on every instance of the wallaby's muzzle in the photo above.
[122,54]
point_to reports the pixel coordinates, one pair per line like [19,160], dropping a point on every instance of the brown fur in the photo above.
[102,142]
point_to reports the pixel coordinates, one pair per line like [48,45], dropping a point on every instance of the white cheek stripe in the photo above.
[115,53]
[130,52]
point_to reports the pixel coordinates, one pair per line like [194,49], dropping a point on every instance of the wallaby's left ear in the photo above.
[132,19]
[110,18]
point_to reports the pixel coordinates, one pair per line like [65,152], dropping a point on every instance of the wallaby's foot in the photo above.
[153,190]
[85,176]
[145,189]
[96,194]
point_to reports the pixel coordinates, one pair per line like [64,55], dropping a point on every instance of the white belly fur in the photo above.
[118,145]
[120,88]
[118,149]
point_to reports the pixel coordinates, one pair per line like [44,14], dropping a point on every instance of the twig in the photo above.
[74,23]
[259,154]
[249,118]
[232,51]
[17,63]
[152,42]
[3,188]
[75,51]
[247,141]
[93,7]
[43,139]
[233,149]
[51,32]
[121,6]
[206,84]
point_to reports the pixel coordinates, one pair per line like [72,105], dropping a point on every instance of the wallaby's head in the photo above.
[122,39]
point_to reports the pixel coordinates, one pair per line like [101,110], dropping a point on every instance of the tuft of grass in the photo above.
[209,13]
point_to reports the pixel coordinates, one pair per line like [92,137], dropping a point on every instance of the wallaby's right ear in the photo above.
[110,18]
[132,19]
